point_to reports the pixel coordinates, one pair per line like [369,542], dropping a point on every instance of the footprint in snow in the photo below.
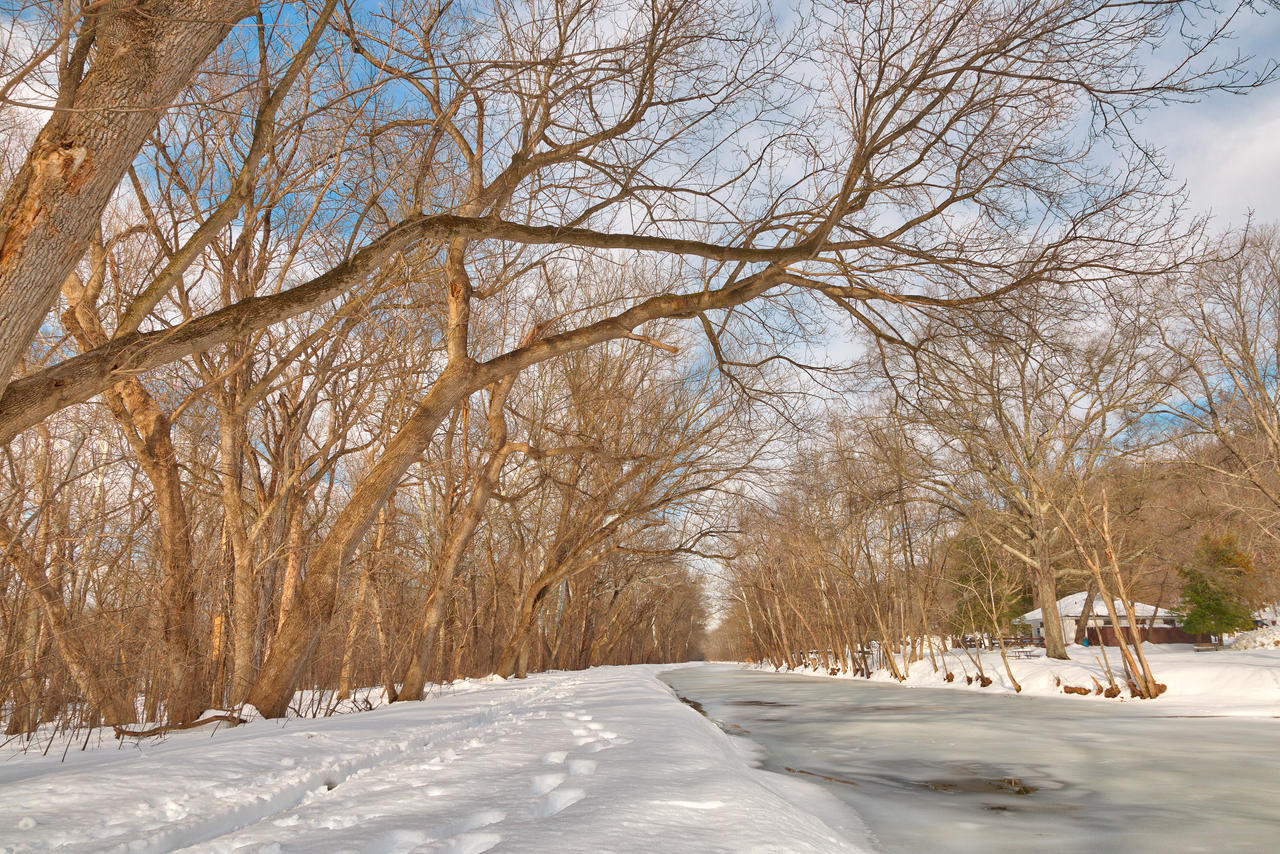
[555,757]
[339,821]
[469,843]
[399,840]
[694,805]
[557,801]
[484,818]
[581,767]
[544,783]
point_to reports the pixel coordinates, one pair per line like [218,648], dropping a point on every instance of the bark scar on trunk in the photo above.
[69,163]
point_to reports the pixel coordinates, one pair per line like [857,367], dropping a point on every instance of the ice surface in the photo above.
[935,770]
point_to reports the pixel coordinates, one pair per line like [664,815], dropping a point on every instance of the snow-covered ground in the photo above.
[593,761]
[1229,681]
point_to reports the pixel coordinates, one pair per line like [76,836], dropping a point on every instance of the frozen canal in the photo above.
[934,770]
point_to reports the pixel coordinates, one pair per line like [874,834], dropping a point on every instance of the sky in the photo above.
[1226,148]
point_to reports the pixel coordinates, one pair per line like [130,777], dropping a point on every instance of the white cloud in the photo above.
[1226,148]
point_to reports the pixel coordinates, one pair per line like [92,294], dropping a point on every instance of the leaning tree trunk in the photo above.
[140,55]
[316,599]
[415,678]
[147,428]
[511,661]
[1086,612]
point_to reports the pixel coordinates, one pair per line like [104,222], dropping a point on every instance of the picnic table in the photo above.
[1024,653]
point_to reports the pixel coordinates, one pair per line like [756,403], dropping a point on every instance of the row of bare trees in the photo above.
[277,278]
[549,528]
[1086,442]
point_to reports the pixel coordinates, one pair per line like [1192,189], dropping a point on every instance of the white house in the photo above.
[1070,607]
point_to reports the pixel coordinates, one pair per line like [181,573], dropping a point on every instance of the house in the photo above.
[1156,625]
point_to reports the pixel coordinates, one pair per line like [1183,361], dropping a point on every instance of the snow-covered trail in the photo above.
[602,760]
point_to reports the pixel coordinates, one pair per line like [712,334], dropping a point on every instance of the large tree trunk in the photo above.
[295,517]
[415,679]
[1046,594]
[1086,612]
[244,589]
[1045,587]
[146,426]
[317,596]
[511,661]
[26,692]
[187,673]
[140,55]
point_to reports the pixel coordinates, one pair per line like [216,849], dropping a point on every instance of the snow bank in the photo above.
[1264,638]
[1234,681]
[601,760]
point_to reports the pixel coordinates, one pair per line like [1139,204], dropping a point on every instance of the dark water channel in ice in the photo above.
[935,770]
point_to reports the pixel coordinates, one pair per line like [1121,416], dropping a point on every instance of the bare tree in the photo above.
[1227,332]
[1026,413]
[503,153]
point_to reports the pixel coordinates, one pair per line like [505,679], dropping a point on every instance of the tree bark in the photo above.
[147,429]
[1046,595]
[244,593]
[1045,585]
[1086,612]
[464,529]
[140,54]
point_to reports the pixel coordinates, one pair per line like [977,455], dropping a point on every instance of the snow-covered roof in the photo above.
[1071,606]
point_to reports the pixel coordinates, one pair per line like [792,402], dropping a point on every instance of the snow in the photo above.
[591,761]
[1231,681]
[1269,614]
[1073,606]
[1264,638]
